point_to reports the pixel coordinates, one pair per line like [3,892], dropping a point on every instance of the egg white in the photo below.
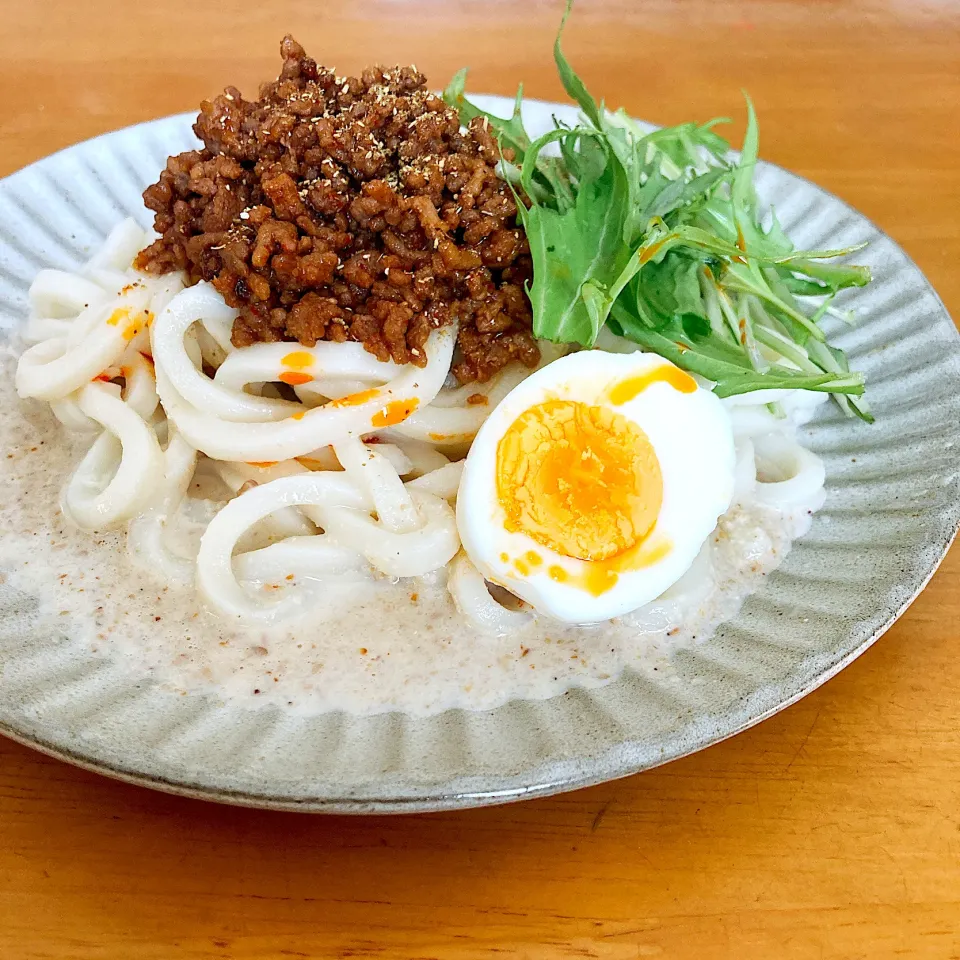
[693,441]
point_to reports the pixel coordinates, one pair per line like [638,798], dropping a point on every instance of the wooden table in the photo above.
[832,830]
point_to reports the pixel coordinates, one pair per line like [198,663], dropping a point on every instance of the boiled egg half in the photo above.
[592,486]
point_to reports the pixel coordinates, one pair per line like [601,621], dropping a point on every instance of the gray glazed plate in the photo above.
[892,510]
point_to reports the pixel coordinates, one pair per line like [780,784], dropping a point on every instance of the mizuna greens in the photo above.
[659,237]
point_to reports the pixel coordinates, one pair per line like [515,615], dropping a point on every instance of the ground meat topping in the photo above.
[336,208]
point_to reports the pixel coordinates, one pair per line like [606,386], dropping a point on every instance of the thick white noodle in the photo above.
[410,554]
[192,385]
[744,471]
[51,369]
[748,421]
[307,429]
[478,607]
[773,469]
[212,352]
[423,457]
[326,459]
[162,290]
[110,486]
[448,424]
[375,474]
[140,384]
[216,577]
[749,412]
[265,362]
[63,295]
[322,459]
[68,412]
[316,557]
[395,456]
[139,392]
[788,475]
[344,510]
[147,533]
[94,326]
[451,419]
[123,243]
[333,388]
[217,326]
[443,482]
[38,329]
[285,522]
[801,405]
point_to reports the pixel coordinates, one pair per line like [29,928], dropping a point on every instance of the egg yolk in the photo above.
[579,479]
[632,387]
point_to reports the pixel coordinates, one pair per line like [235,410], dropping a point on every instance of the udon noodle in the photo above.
[313,463]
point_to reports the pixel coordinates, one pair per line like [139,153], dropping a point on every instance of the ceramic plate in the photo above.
[893,505]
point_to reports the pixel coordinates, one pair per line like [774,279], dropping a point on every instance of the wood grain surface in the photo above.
[832,830]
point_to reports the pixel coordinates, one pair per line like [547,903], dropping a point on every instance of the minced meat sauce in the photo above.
[340,209]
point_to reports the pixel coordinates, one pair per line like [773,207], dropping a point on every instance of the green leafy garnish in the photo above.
[659,236]
[510,132]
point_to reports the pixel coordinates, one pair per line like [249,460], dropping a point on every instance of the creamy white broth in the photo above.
[368,646]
